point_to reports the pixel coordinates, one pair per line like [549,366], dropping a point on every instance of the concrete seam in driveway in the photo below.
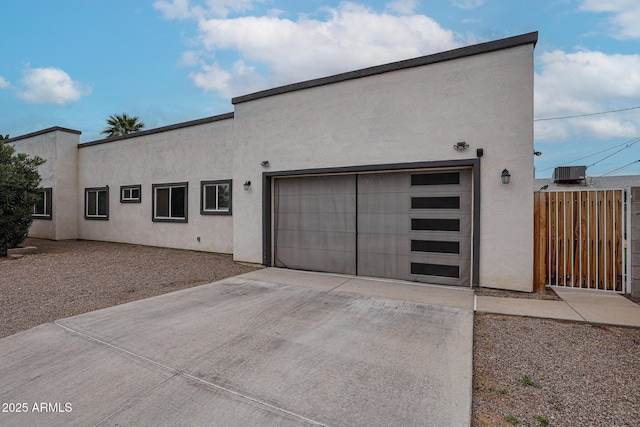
[178,372]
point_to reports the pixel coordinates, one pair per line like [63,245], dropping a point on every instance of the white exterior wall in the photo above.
[409,115]
[192,154]
[60,172]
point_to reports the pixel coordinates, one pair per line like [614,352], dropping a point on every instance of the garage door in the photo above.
[402,225]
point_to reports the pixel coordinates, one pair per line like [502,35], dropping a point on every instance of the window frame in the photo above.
[170,186]
[97,216]
[124,188]
[203,187]
[48,207]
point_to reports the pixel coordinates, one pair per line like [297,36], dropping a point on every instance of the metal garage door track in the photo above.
[272,347]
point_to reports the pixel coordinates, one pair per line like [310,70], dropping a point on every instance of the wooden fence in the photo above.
[580,239]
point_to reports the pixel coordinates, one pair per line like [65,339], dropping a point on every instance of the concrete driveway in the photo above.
[271,347]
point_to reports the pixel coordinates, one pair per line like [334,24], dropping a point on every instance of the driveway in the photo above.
[271,347]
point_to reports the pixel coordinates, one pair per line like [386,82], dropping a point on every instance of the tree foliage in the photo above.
[121,124]
[19,181]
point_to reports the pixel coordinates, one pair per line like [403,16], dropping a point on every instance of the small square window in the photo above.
[42,206]
[170,202]
[215,197]
[130,194]
[96,203]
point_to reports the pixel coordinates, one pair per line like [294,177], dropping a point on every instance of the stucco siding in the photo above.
[60,173]
[192,154]
[409,115]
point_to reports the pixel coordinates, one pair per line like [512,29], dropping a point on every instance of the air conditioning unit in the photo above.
[569,173]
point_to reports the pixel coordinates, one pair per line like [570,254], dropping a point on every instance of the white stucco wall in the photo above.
[408,115]
[60,173]
[191,154]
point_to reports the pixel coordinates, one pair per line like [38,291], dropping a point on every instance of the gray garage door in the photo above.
[401,225]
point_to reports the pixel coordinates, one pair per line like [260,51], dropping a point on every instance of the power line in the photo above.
[627,144]
[621,167]
[586,115]
[613,154]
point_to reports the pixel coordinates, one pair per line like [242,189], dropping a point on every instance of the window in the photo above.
[96,203]
[170,202]
[42,206]
[215,197]
[130,194]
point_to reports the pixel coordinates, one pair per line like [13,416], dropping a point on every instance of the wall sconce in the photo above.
[247,184]
[537,153]
[506,176]
[265,163]
[461,146]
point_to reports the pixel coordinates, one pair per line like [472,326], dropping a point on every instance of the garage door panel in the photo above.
[330,261]
[411,225]
[314,223]
[320,221]
[404,244]
[327,203]
[459,224]
[318,239]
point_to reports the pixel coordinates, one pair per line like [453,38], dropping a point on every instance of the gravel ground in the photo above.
[66,278]
[527,371]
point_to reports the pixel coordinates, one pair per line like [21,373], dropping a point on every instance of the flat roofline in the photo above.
[42,132]
[160,129]
[506,43]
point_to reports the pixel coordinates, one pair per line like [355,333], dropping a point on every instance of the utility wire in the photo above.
[627,144]
[613,154]
[586,115]
[621,167]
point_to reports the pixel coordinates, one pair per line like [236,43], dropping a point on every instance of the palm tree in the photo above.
[121,124]
[3,137]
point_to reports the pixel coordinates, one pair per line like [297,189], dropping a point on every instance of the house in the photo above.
[390,171]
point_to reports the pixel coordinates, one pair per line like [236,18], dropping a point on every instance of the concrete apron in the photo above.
[272,347]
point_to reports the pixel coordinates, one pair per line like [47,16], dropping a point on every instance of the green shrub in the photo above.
[19,181]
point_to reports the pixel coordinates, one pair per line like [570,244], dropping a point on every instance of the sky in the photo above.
[73,63]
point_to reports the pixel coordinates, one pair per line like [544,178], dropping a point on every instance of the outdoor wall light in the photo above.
[265,163]
[461,145]
[247,184]
[506,176]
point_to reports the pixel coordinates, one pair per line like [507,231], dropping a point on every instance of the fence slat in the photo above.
[579,239]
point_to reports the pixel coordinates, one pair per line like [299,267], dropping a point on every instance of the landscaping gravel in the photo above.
[66,278]
[526,371]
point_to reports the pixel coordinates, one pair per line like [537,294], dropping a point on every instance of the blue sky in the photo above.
[72,63]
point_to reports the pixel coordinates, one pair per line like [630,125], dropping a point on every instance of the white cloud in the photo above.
[174,9]
[624,15]
[403,7]
[182,9]
[584,83]
[468,4]
[273,51]
[51,86]
[4,83]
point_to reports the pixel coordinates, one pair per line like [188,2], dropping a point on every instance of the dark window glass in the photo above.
[223,197]
[439,178]
[433,224]
[210,197]
[435,203]
[91,203]
[435,246]
[162,202]
[39,207]
[435,270]
[102,203]
[177,202]
[135,193]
